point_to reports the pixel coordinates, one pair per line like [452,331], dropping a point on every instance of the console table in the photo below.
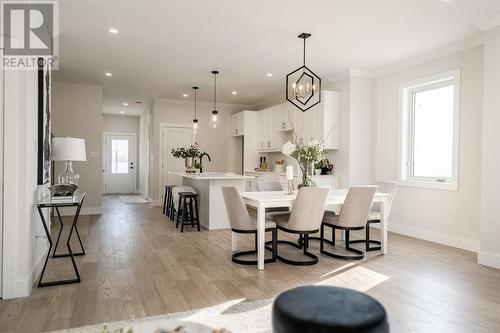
[48,202]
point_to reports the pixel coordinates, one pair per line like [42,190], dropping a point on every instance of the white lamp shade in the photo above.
[68,149]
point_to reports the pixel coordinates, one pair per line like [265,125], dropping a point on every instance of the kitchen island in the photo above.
[212,209]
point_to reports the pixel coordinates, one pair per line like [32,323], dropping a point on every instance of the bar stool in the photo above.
[176,190]
[186,214]
[168,201]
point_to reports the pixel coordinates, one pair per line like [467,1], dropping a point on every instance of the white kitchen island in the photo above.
[212,209]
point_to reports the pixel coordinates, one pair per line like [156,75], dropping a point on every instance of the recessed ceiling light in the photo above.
[122,112]
[184,95]
[125,104]
[108,74]
[269,74]
[113,30]
[234,92]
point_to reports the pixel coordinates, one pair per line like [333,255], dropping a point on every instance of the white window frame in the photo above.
[405,162]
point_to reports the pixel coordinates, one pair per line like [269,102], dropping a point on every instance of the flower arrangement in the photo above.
[307,154]
[181,152]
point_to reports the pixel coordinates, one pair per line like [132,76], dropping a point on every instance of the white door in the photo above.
[120,163]
[171,138]
[1,180]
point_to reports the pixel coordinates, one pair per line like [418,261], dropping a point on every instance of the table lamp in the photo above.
[68,150]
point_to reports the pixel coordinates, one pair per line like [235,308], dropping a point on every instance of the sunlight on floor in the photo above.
[358,278]
[338,269]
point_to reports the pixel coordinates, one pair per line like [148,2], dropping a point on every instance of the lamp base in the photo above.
[68,176]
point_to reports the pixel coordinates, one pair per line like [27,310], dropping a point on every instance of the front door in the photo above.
[120,163]
[173,137]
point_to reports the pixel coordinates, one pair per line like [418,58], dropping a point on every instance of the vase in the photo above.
[189,162]
[307,175]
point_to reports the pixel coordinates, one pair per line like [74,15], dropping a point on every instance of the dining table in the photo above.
[274,199]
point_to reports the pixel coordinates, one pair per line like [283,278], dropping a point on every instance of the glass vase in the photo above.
[307,170]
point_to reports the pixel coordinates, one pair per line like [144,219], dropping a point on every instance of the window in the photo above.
[119,156]
[429,131]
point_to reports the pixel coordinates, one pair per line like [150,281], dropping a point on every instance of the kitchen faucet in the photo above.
[201,160]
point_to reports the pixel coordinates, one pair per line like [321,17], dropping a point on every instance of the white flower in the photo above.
[288,148]
[315,143]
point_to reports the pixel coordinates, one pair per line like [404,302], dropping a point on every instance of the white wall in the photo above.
[144,134]
[23,248]
[77,112]
[214,141]
[449,217]
[125,124]
[490,205]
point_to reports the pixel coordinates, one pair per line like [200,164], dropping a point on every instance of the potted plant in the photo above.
[307,155]
[188,154]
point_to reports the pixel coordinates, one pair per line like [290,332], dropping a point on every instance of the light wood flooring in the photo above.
[138,265]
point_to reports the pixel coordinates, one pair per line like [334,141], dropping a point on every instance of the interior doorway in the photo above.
[1,176]
[120,163]
[172,136]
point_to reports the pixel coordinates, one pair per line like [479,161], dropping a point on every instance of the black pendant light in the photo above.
[303,87]
[195,120]
[214,117]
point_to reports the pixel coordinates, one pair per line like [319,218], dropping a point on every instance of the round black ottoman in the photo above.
[322,309]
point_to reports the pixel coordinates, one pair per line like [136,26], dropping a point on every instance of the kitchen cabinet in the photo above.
[269,139]
[286,117]
[237,124]
[321,122]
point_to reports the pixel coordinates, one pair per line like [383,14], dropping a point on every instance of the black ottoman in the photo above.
[322,309]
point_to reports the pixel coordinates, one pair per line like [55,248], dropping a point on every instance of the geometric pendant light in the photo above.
[215,117]
[195,120]
[303,87]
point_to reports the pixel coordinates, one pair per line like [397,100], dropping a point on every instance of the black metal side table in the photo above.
[47,202]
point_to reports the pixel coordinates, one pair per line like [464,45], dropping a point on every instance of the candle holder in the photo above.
[290,188]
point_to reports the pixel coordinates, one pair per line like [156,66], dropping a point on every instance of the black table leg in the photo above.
[64,255]
[70,254]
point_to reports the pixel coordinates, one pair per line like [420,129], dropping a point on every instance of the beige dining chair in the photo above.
[387,187]
[353,216]
[304,219]
[244,221]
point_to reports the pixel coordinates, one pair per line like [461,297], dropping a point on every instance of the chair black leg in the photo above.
[177,218]
[303,247]
[191,214]
[358,254]
[183,214]
[236,255]
[367,241]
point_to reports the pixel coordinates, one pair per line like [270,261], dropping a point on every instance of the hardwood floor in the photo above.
[138,264]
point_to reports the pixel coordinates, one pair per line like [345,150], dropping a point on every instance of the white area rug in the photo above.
[132,199]
[237,316]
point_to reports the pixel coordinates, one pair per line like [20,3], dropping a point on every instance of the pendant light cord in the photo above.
[195,103]
[215,90]
[304,54]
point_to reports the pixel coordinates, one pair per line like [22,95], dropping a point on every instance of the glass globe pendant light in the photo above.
[214,117]
[195,120]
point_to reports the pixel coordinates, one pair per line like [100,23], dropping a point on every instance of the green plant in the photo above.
[118,330]
[197,165]
[181,152]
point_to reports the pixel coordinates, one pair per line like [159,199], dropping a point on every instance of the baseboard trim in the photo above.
[24,286]
[488,259]
[435,237]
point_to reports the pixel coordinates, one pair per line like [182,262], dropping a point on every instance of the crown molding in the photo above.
[488,23]
[430,56]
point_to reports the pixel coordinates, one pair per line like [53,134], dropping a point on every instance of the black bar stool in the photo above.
[168,201]
[188,213]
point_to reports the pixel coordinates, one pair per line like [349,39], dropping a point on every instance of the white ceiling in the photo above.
[163,48]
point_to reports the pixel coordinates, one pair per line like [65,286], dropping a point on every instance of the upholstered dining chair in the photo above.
[243,221]
[388,187]
[304,219]
[353,216]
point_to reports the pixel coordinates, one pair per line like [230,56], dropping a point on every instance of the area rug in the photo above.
[237,316]
[132,199]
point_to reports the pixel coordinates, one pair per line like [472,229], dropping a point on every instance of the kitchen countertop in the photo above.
[255,173]
[210,175]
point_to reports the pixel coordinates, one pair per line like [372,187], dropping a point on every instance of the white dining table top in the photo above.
[335,195]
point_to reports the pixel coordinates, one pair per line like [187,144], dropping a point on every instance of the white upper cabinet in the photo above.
[237,124]
[320,122]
